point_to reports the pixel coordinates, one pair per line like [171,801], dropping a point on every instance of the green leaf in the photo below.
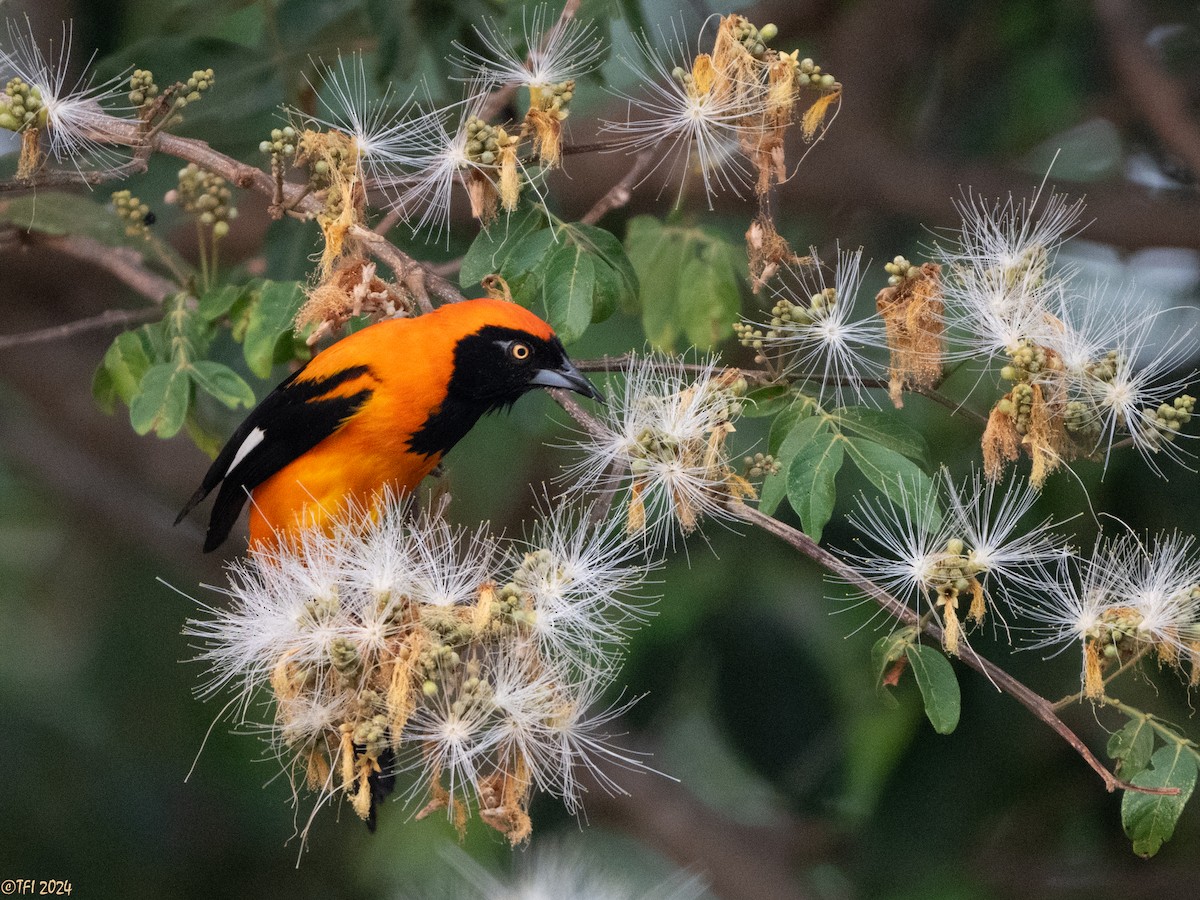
[884,429]
[54,212]
[767,401]
[161,404]
[1149,819]
[898,478]
[271,320]
[1131,747]
[567,292]
[774,487]
[801,409]
[524,270]
[609,251]
[221,382]
[709,299]
[608,292]
[494,244]
[217,303]
[938,684]
[657,258]
[125,363]
[810,480]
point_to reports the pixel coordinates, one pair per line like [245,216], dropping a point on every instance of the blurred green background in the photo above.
[796,780]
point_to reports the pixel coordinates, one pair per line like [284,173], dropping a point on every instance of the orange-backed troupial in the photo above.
[378,408]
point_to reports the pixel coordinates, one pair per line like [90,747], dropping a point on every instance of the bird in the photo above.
[377,409]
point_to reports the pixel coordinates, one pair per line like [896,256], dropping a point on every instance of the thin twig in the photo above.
[1032,701]
[1125,667]
[621,192]
[110,318]
[124,263]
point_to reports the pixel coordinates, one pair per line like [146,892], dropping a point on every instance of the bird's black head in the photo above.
[493,367]
[496,365]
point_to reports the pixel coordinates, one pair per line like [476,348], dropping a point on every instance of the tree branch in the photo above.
[124,263]
[622,192]
[1042,708]
[110,318]
[1151,92]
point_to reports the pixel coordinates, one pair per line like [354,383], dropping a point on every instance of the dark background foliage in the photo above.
[796,779]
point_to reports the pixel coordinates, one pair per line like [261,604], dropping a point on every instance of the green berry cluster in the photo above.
[142,89]
[954,569]
[1018,406]
[900,269]
[435,661]
[320,610]
[473,693]
[1028,360]
[760,465]
[205,195]
[754,39]
[555,97]
[282,142]
[343,656]
[1169,418]
[1105,368]
[484,141]
[784,314]
[810,74]
[749,336]
[1080,420]
[320,172]
[190,91]
[1117,631]
[135,213]
[684,77]
[372,735]
[509,607]
[21,106]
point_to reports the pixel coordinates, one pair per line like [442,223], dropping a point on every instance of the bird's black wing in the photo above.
[290,421]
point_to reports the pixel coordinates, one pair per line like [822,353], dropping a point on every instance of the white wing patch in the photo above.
[253,439]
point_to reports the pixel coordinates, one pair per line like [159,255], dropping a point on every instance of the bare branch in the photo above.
[621,192]
[108,319]
[125,263]
[1157,97]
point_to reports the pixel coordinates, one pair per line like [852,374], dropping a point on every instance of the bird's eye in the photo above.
[520,352]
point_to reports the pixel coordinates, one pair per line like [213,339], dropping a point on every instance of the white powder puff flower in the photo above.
[936,562]
[813,334]
[905,541]
[1001,279]
[37,98]
[988,514]
[1134,389]
[581,580]
[541,59]
[376,124]
[664,439]
[1127,599]
[385,647]
[694,124]
[558,870]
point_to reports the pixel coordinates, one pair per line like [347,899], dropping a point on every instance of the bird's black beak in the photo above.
[568,377]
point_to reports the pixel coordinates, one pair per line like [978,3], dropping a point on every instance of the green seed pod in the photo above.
[769,32]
